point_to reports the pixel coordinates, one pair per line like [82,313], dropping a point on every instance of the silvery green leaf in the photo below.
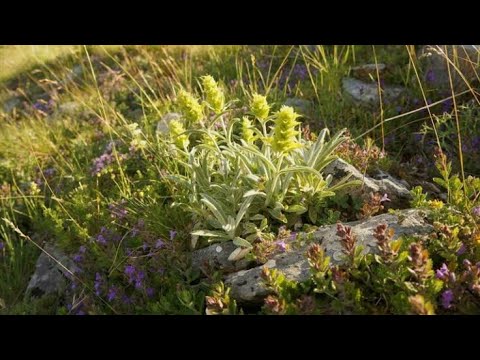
[254,192]
[298,209]
[257,217]
[277,214]
[211,233]
[238,254]
[243,210]
[242,242]
[215,207]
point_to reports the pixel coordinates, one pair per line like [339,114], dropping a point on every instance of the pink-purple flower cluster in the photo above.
[117,210]
[107,158]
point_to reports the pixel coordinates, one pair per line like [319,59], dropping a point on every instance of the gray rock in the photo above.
[50,277]
[367,93]
[364,71]
[162,125]
[301,106]
[216,257]
[247,285]
[396,190]
[433,59]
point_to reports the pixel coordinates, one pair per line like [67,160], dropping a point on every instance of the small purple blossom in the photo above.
[159,244]
[126,300]
[112,293]
[150,292]
[117,211]
[281,245]
[49,172]
[447,105]
[82,249]
[98,283]
[430,76]
[2,245]
[462,249]
[476,211]
[129,270]
[78,258]
[447,298]
[173,233]
[101,239]
[443,272]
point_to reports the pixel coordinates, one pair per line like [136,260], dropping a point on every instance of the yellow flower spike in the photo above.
[284,136]
[214,95]
[247,133]
[190,106]
[177,132]
[259,107]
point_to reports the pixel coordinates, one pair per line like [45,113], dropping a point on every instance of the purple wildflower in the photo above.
[447,105]
[2,245]
[293,236]
[145,246]
[98,283]
[443,272]
[159,244]
[112,293]
[130,270]
[430,77]
[476,211]
[447,298]
[117,211]
[462,249]
[173,233]
[281,245]
[78,258]
[101,239]
[476,143]
[82,249]
[49,172]
[150,292]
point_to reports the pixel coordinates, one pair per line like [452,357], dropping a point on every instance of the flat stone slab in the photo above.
[247,285]
[49,277]
[367,93]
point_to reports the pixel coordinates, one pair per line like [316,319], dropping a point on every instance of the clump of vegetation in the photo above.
[130,158]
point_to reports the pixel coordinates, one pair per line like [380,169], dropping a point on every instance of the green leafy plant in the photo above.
[229,177]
